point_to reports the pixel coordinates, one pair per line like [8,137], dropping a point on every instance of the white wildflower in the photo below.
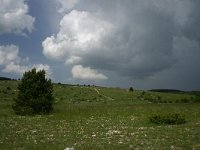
[69,148]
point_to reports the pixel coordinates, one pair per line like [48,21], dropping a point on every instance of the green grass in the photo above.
[111,118]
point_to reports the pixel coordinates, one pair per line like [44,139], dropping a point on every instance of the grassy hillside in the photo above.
[87,117]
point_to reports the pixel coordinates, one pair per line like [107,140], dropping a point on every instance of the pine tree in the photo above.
[35,94]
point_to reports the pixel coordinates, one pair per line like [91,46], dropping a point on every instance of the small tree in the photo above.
[35,94]
[131,89]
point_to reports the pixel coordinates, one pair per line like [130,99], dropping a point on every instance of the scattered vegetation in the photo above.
[170,118]
[99,118]
[197,96]
[35,94]
[162,97]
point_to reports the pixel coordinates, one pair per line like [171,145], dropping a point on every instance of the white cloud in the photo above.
[123,47]
[79,72]
[14,17]
[45,67]
[20,69]
[66,5]
[12,63]
[73,60]
[9,53]
[80,32]
[15,68]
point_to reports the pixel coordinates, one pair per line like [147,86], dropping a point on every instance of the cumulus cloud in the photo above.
[123,47]
[15,68]
[14,17]
[134,39]
[48,70]
[13,63]
[80,32]
[73,60]
[66,5]
[20,69]
[79,72]
[9,53]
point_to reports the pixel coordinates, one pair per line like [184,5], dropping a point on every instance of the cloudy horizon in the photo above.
[147,44]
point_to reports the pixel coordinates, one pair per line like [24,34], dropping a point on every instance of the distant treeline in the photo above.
[167,90]
[197,93]
[6,78]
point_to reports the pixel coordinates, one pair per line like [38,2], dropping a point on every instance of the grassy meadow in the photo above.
[88,117]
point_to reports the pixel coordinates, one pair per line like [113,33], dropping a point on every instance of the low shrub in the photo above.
[5,92]
[197,99]
[183,100]
[143,92]
[8,88]
[131,89]
[171,118]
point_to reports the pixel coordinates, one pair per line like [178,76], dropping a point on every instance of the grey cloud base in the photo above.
[154,43]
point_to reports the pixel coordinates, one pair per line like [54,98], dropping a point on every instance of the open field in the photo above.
[87,117]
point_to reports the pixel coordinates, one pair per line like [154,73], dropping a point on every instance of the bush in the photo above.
[8,88]
[5,92]
[171,118]
[131,89]
[197,99]
[35,94]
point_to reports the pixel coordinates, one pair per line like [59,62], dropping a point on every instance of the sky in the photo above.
[146,44]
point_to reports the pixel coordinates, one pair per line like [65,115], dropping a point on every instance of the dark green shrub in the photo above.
[8,88]
[171,118]
[94,98]
[5,92]
[184,100]
[35,94]
[131,89]
[164,101]
[197,99]
[143,93]
[159,98]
